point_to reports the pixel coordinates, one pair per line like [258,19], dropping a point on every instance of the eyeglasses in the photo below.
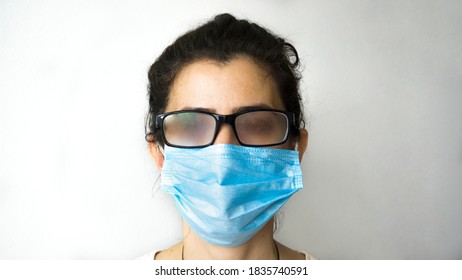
[196,129]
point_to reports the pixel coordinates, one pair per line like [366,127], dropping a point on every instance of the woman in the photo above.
[225,129]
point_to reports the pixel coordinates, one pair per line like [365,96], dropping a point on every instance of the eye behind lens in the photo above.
[189,129]
[262,128]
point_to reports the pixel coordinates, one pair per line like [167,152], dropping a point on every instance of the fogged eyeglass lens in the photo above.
[189,129]
[262,128]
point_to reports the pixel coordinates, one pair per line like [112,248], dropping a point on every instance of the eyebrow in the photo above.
[257,106]
[199,109]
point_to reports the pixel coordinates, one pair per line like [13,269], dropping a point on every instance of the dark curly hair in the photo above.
[222,39]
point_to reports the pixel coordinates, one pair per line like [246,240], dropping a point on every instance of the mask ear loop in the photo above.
[296,146]
[161,149]
[154,192]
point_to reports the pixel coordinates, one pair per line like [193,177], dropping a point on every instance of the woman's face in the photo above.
[225,88]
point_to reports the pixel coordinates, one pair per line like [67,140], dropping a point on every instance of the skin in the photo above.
[227,88]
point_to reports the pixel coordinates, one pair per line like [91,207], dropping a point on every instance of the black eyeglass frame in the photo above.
[229,119]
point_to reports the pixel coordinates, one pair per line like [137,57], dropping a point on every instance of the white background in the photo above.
[382,89]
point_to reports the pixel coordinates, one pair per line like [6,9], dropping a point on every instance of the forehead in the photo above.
[224,87]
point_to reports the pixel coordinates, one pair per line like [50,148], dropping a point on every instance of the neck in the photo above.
[259,247]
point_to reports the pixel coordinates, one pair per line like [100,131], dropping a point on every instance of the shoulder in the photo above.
[308,256]
[287,253]
[172,253]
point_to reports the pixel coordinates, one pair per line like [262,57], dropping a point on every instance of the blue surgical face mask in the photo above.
[227,193]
